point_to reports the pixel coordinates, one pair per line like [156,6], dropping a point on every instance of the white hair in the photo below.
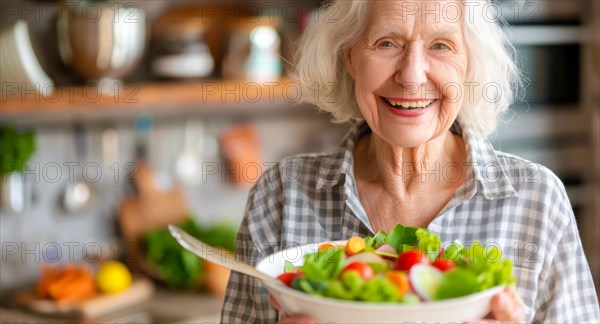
[324,81]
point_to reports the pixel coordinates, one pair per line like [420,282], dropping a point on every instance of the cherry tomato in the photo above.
[288,277]
[408,259]
[365,271]
[443,264]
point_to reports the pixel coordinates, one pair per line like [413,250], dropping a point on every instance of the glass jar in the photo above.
[253,50]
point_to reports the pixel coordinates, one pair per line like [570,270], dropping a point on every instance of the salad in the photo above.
[408,265]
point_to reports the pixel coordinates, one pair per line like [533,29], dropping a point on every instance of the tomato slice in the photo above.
[365,271]
[443,264]
[288,277]
[408,259]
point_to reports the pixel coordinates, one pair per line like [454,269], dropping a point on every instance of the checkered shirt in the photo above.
[505,201]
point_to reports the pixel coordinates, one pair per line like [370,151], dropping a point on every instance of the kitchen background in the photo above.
[195,92]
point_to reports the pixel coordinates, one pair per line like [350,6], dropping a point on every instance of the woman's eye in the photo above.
[440,47]
[386,44]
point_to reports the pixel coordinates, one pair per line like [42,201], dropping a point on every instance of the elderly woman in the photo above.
[424,83]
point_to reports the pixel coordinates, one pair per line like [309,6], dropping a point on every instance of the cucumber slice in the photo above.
[387,251]
[365,257]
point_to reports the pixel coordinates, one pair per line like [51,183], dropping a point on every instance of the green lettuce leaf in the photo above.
[457,282]
[401,235]
[378,239]
[288,267]
[323,265]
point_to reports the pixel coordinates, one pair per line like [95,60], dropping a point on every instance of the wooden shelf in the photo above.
[162,99]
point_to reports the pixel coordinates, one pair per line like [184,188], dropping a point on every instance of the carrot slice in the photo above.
[326,246]
[355,244]
[399,279]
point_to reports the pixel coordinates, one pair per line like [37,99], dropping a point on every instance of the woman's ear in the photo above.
[348,62]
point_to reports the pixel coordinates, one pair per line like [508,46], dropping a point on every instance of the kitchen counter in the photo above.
[164,307]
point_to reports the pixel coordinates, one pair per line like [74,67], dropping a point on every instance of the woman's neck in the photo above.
[439,162]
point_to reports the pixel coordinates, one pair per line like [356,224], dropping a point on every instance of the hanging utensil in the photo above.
[159,159]
[111,164]
[13,194]
[188,166]
[110,147]
[78,195]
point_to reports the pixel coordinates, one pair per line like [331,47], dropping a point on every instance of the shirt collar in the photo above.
[337,165]
[485,172]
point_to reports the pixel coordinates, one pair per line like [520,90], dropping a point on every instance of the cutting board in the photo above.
[141,290]
[149,210]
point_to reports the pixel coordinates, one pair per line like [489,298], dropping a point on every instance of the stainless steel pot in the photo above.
[102,40]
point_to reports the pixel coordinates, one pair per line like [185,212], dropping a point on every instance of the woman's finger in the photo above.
[512,291]
[293,319]
[507,306]
[481,321]
[274,303]
[297,319]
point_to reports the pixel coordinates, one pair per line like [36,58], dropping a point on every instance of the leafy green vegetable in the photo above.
[309,286]
[379,239]
[489,263]
[429,242]
[221,235]
[379,267]
[336,289]
[379,290]
[479,269]
[323,265]
[457,282]
[401,235]
[179,268]
[16,148]
[373,290]
[353,282]
[288,266]
[453,251]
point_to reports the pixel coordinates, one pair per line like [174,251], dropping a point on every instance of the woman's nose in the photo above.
[412,69]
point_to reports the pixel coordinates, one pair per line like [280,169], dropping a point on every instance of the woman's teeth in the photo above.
[408,104]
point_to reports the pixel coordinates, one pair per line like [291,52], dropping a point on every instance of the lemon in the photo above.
[113,277]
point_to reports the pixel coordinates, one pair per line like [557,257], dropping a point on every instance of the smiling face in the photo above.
[409,67]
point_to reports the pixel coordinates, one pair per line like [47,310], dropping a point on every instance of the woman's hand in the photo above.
[507,307]
[293,319]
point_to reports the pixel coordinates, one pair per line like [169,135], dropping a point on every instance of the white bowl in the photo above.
[324,309]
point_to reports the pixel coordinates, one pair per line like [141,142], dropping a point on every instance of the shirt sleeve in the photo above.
[566,289]
[246,299]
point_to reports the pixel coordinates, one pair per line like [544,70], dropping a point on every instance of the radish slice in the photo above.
[386,250]
[425,280]
[366,257]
